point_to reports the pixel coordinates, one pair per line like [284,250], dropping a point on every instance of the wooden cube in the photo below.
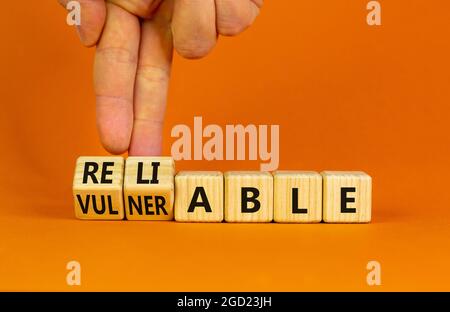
[199,196]
[297,196]
[149,188]
[347,197]
[97,188]
[248,196]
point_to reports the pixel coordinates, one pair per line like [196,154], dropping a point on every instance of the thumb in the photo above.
[92,19]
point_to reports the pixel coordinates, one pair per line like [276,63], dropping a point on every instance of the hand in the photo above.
[135,41]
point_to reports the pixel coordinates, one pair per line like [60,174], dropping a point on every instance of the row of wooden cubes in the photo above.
[147,188]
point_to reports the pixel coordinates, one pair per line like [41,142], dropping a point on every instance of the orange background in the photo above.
[346,96]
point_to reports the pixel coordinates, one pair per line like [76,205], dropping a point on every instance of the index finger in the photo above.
[114,72]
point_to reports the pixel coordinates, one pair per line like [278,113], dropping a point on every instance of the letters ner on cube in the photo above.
[148,188]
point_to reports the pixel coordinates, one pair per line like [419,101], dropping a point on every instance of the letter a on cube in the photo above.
[149,188]
[199,196]
[347,197]
[97,188]
[248,196]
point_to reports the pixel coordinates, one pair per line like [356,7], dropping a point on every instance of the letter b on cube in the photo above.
[248,196]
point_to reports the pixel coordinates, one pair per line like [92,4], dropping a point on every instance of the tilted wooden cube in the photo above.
[97,188]
[248,196]
[199,196]
[149,188]
[347,197]
[297,196]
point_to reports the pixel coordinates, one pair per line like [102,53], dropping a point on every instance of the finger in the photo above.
[234,16]
[92,19]
[152,81]
[141,8]
[114,74]
[194,27]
